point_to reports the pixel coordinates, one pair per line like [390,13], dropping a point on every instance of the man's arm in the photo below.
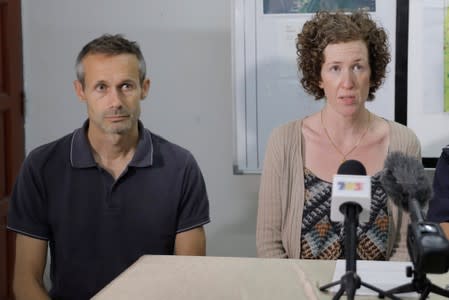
[31,256]
[191,242]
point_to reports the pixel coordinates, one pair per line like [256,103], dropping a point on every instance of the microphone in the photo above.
[406,183]
[351,186]
[351,197]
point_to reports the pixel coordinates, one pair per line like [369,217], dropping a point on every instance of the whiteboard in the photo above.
[425,110]
[266,86]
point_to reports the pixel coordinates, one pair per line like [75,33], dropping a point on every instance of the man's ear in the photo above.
[79,90]
[145,88]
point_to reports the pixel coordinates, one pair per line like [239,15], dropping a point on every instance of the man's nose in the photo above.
[115,98]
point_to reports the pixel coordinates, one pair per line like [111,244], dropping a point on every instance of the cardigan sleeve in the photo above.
[269,216]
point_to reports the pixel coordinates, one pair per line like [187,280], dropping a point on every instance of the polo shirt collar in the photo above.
[446,149]
[81,154]
[143,157]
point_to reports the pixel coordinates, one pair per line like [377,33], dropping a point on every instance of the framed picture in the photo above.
[421,78]
[312,6]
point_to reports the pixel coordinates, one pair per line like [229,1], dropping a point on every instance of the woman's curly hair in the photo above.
[330,28]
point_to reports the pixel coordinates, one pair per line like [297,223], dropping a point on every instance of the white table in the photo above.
[197,278]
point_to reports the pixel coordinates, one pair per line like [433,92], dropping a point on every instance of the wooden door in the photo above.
[11,129]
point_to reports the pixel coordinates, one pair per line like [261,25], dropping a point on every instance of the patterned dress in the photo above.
[323,239]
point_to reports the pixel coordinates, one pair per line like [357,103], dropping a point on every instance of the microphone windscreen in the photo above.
[403,178]
[351,167]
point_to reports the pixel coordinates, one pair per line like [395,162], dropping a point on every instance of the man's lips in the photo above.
[117,117]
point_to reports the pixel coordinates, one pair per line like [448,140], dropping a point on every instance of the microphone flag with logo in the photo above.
[351,185]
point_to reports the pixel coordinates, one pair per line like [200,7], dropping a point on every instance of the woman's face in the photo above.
[345,76]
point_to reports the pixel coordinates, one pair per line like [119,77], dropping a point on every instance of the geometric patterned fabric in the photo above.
[323,239]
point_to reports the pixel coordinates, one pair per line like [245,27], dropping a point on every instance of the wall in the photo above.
[187,45]
[427,88]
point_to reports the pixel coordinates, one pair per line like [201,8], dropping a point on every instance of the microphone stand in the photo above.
[350,281]
[420,283]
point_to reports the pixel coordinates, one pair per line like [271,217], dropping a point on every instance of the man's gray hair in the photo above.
[110,45]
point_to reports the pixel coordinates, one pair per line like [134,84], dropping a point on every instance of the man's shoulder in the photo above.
[445,149]
[167,147]
[444,157]
[51,150]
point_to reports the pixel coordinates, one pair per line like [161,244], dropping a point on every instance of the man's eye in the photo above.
[127,86]
[101,87]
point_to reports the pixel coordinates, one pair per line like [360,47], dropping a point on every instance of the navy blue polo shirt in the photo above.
[439,204]
[97,226]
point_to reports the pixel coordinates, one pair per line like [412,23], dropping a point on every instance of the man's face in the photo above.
[112,92]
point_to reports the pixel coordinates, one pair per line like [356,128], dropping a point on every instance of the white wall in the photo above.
[187,45]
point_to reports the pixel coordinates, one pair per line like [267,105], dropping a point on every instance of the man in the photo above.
[107,193]
[439,204]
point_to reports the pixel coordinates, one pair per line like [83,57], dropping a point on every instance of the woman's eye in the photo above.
[334,68]
[358,67]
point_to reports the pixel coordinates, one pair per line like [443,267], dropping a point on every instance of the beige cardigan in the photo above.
[281,194]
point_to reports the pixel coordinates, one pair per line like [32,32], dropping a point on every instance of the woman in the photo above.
[343,59]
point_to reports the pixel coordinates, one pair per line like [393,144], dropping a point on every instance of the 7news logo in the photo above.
[349,186]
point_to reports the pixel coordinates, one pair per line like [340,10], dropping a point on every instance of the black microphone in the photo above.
[352,167]
[350,187]
[351,199]
[405,182]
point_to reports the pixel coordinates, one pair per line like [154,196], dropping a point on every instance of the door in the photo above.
[11,128]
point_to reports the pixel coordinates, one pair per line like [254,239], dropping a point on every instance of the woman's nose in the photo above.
[348,79]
